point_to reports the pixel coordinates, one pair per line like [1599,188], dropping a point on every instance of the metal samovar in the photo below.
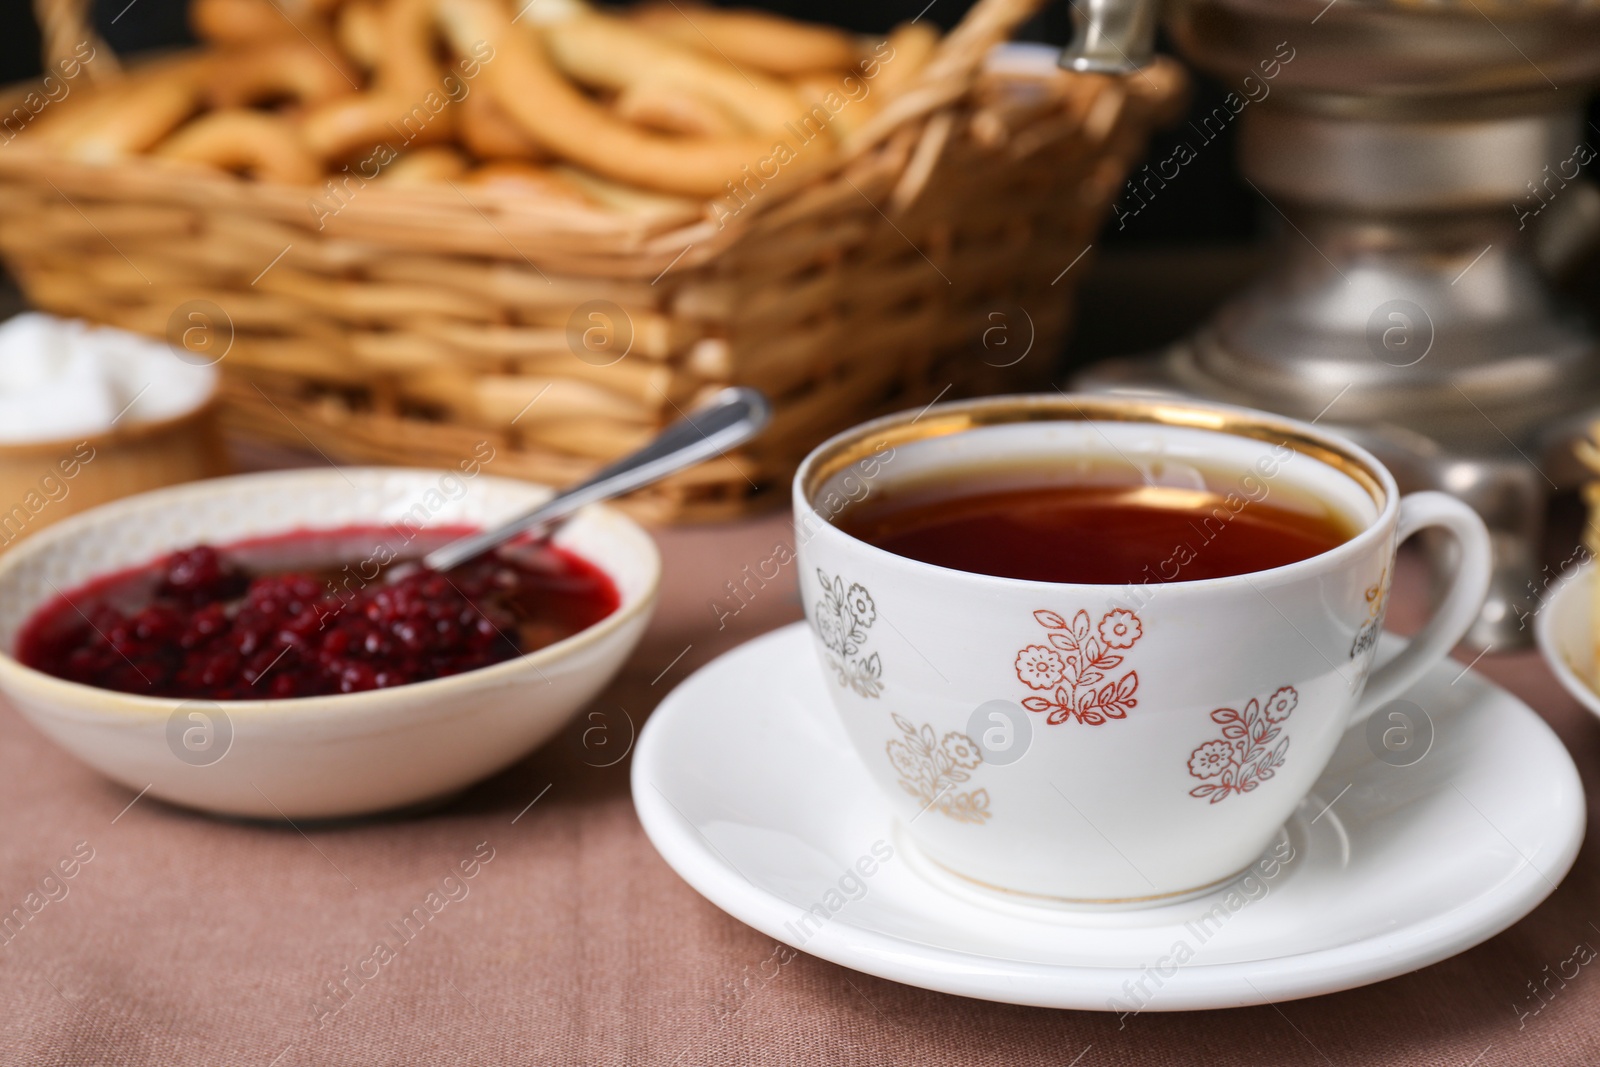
[1423,160]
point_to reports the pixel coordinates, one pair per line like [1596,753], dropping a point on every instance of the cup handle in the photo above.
[1461,604]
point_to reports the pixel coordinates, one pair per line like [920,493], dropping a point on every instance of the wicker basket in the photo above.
[417,323]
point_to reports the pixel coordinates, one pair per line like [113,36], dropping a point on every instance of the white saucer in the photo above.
[745,784]
[1565,629]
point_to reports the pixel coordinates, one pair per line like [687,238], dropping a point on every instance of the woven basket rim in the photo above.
[526,217]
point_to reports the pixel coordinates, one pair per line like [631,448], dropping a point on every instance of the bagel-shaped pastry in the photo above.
[529,178]
[359,32]
[277,71]
[846,97]
[604,52]
[426,166]
[248,22]
[753,38]
[897,61]
[129,117]
[252,143]
[529,88]
[488,133]
[630,200]
[407,107]
[676,109]
[406,64]
[356,125]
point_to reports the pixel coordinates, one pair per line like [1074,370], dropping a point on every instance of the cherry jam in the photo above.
[274,618]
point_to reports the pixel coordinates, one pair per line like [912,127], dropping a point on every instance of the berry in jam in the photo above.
[271,618]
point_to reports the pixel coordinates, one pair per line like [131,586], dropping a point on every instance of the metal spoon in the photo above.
[731,418]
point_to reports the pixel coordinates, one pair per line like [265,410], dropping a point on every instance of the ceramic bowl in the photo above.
[1565,630]
[317,757]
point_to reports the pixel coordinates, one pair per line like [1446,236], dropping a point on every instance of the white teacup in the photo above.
[1210,707]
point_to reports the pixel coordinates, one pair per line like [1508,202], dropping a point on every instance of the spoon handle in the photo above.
[732,417]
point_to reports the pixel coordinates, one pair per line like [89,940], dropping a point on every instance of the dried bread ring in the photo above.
[58,125]
[359,32]
[426,166]
[287,69]
[753,38]
[62,124]
[630,200]
[839,95]
[604,52]
[675,109]
[397,109]
[356,124]
[134,114]
[527,177]
[249,142]
[406,63]
[529,89]
[247,22]
[488,133]
[899,60]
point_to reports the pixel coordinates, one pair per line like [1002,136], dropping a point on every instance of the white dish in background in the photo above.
[745,783]
[64,379]
[318,757]
[1565,631]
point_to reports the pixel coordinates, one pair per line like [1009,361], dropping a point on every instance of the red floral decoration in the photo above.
[1073,669]
[1245,756]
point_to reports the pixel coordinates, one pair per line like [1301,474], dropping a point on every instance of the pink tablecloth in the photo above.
[186,939]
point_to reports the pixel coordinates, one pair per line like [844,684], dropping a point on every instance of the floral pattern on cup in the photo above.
[843,617]
[930,768]
[1244,756]
[1377,598]
[1074,667]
